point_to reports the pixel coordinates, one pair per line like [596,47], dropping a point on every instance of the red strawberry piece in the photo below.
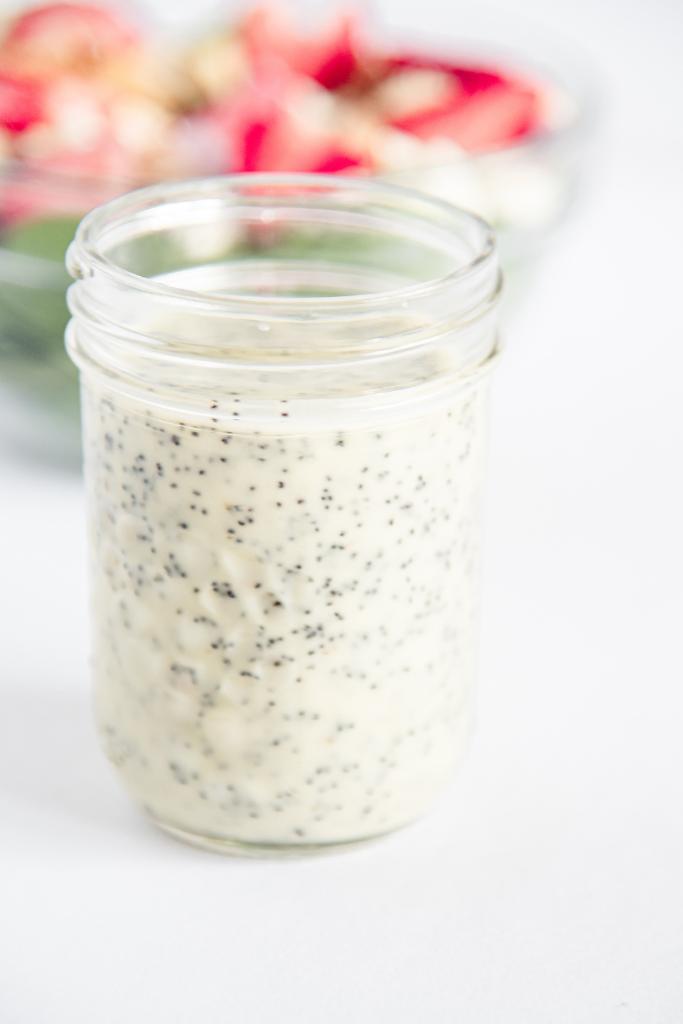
[334,62]
[328,55]
[336,161]
[241,126]
[259,129]
[63,35]
[475,80]
[486,119]
[254,136]
[21,103]
[487,109]
[471,79]
[289,144]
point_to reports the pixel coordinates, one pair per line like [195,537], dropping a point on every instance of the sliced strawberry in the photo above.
[487,119]
[21,103]
[471,79]
[254,138]
[486,108]
[328,56]
[476,80]
[240,126]
[277,123]
[336,161]
[333,63]
[288,145]
[65,35]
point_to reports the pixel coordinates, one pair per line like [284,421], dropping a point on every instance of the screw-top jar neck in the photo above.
[278,273]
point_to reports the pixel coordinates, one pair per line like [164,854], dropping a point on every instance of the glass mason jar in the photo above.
[284,389]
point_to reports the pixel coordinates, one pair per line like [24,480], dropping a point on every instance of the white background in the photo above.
[547,888]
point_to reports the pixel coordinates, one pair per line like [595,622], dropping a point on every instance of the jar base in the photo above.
[265,851]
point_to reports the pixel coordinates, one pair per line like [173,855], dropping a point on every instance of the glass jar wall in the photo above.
[284,385]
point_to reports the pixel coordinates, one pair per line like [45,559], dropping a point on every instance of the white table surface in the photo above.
[547,888]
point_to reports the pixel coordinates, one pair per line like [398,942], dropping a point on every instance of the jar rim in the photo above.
[477,275]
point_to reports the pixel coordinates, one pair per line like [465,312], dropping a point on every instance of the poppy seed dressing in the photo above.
[284,642]
[284,393]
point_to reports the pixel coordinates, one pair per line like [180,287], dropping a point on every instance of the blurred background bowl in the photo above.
[526,188]
[523,189]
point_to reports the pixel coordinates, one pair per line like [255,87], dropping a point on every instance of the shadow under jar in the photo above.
[284,389]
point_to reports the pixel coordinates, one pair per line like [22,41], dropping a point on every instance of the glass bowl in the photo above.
[523,190]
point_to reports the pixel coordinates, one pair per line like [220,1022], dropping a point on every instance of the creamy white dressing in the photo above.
[284,622]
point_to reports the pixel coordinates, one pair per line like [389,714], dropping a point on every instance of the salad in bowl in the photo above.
[92,105]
